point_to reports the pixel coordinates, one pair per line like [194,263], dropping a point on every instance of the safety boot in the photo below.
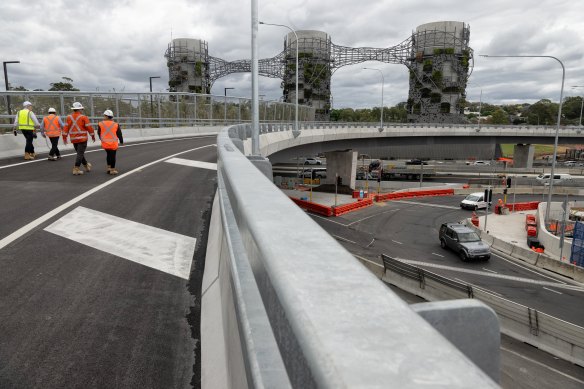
[107,169]
[87,167]
[113,171]
[32,155]
[26,156]
[77,171]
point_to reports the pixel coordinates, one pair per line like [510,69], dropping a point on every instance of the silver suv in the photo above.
[464,241]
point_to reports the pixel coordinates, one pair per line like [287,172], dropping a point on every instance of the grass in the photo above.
[540,150]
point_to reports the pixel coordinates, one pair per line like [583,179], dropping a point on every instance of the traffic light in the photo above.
[488,195]
[508,182]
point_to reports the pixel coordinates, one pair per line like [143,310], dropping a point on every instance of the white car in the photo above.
[481,163]
[545,178]
[474,201]
[312,161]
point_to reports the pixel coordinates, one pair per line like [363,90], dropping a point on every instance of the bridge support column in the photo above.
[343,163]
[523,156]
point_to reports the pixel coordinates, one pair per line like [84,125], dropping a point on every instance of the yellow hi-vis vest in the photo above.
[24,120]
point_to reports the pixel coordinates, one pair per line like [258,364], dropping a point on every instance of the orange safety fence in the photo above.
[345,208]
[418,193]
[515,207]
[313,207]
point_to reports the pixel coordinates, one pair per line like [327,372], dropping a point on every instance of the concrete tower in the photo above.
[439,66]
[188,66]
[314,77]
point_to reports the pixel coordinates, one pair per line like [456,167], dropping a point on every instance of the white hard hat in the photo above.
[77,105]
[26,103]
[52,110]
[109,113]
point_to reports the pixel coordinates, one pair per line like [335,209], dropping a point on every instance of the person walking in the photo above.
[78,128]
[110,134]
[51,127]
[27,123]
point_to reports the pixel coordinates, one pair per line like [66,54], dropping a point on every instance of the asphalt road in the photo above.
[75,316]
[409,230]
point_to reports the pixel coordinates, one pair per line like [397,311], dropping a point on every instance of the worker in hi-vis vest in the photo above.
[77,127]
[51,127]
[27,123]
[110,134]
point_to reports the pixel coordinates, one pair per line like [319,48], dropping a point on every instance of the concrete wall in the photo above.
[523,156]
[343,163]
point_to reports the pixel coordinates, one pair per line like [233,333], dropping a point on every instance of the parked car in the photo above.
[570,163]
[363,176]
[558,178]
[474,201]
[416,162]
[312,161]
[374,165]
[481,163]
[314,173]
[464,241]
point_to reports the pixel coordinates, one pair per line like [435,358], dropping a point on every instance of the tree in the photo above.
[500,117]
[67,85]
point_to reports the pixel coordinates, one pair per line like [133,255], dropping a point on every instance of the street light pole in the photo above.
[581,105]
[6,83]
[225,104]
[151,106]
[549,200]
[382,87]
[296,131]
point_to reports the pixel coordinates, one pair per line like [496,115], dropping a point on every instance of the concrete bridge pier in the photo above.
[523,155]
[343,163]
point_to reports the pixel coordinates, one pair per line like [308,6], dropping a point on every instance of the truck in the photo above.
[407,172]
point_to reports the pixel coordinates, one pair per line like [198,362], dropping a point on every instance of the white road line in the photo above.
[551,290]
[369,217]
[395,241]
[531,270]
[500,276]
[372,240]
[425,204]
[149,246]
[100,149]
[489,270]
[35,223]
[542,365]
[438,255]
[488,290]
[190,162]
[328,220]
[344,239]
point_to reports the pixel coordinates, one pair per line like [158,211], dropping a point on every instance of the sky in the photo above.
[117,45]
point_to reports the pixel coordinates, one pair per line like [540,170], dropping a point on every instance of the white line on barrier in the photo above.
[395,241]
[35,223]
[369,217]
[438,255]
[542,365]
[551,290]
[489,270]
[531,270]
[344,239]
[99,149]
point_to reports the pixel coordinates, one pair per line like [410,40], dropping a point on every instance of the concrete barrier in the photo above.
[504,247]
[525,255]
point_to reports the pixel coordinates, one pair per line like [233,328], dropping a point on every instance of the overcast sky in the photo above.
[106,45]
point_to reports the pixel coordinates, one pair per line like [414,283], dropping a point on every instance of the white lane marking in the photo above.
[551,290]
[369,217]
[528,269]
[190,162]
[372,240]
[35,223]
[542,365]
[501,276]
[344,239]
[100,149]
[328,220]
[438,255]
[153,247]
[487,290]
[489,270]
[425,204]
[395,241]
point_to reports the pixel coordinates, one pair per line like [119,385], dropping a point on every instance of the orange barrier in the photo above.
[514,207]
[345,208]
[474,219]
[418,193]
[531,231]
[313,207]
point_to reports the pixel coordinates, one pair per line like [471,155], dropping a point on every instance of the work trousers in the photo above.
[29,135]
[111,158]
[54,149]
[80,149]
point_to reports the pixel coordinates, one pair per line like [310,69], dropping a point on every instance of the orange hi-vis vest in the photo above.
[77,127]
[108,133]
[52,126]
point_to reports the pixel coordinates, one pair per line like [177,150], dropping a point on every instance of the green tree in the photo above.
[65,85]
[499,117]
